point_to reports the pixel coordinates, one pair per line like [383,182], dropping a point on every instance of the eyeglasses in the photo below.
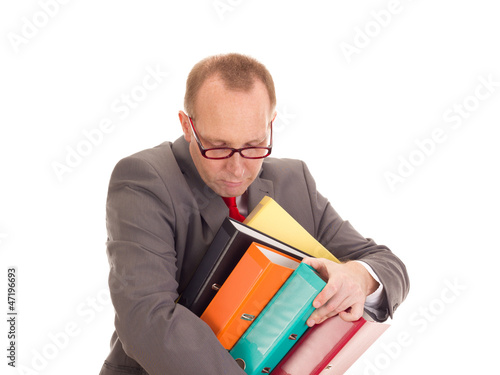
[226,152]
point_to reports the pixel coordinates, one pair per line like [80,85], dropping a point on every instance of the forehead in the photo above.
[232,116]
[215,100]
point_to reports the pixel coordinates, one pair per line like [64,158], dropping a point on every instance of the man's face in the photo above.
[227,118]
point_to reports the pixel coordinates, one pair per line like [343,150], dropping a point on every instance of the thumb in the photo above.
[353,313]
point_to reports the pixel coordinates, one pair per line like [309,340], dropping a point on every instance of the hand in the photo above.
[347,286]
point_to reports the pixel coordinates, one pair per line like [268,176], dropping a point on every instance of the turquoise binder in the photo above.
[280,324]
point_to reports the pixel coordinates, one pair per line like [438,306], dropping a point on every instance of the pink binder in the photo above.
[330,348]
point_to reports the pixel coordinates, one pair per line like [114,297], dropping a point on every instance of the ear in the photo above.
[274,115]
[186,128]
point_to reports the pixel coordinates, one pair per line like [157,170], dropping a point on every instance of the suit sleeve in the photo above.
[163,337]
[339,237]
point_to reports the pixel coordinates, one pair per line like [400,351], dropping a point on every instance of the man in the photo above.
[165,206]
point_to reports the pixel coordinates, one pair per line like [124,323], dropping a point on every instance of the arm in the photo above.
[163,337]
[349,283]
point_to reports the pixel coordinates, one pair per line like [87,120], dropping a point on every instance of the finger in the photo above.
[353,313]
[318,265]
[327,294]
[350,309]
[308,260]
[350,314]
[333,307]
[340,302]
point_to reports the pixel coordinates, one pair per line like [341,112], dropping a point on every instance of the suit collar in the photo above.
[212,207]
[258,190]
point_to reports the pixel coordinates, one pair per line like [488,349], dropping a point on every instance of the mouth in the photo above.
[232,184]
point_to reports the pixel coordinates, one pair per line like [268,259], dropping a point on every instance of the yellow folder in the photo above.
[270,218]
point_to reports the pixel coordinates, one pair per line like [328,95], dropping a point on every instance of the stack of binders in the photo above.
[228,246]
[280,324]
[254,281]
[256,295]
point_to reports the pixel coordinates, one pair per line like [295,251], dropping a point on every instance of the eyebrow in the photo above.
[223,143]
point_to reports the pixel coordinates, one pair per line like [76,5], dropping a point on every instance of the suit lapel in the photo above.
[258,190]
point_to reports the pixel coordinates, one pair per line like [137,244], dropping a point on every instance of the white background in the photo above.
[351,116]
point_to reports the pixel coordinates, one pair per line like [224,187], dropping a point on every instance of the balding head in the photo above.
[237,72]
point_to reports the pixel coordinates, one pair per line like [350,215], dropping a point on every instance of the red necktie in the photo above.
[234,213]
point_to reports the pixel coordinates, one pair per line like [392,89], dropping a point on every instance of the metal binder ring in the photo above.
[241,363]
[248,317]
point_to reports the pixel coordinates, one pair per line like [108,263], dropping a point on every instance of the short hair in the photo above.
[238,72]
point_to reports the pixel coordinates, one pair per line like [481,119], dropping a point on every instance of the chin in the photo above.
[232,192]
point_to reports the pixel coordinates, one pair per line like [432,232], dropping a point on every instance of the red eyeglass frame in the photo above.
[204,150]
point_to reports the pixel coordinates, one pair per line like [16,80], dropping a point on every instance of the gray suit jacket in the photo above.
[161,218]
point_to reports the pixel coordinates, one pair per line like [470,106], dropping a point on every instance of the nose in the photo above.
[236,165]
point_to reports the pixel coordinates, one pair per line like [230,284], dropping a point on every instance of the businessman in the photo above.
[166,204]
